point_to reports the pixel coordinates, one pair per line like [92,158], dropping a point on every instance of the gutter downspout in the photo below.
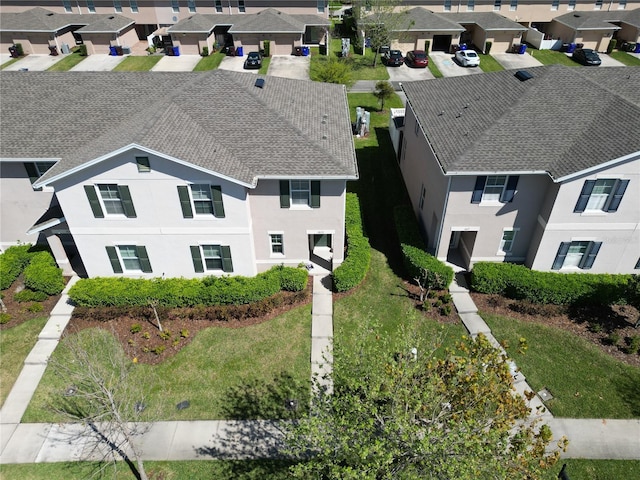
[444,209]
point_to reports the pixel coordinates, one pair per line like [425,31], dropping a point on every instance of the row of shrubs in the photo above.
[520,283]
[183,292]
[41,275]
[417,262]
[356,264]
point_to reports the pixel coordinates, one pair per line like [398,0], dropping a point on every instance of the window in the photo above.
[555,4]
[203,199]
[580,254]
[423,192]
[637,267]
[497,5]
[218,6]
[67,5]
[191,5]
[495,188]
[175,6]
[602,195]
[622,4]
[514,5]
[134,6]
[36,169]
[110,198]
[470,5]
[277,245]
[143,164]
[241,8]
[571,5]
[506,243]
[130,258]
[320,6]
[117,6]
[447,6]
[211,257]
[299,193]
[91,6]
[598,5]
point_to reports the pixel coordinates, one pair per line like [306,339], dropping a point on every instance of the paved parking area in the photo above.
[449,68]
[404,73]
[34,63]
[98,62]
[513,61]
[181,63]
[235,64]
[607,61]
[290,66]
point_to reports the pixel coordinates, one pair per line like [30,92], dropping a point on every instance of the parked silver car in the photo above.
[468,58]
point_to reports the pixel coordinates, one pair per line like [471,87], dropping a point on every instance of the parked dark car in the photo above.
[393,58]
[253,60]
[586,56]
[416,58]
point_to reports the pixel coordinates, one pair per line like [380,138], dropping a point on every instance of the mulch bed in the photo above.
[22,312]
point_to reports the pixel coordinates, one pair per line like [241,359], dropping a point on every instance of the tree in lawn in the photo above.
[103,391]
[381,20]
[383,91]
[414,411]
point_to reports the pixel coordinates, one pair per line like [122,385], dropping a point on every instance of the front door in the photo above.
[321,252]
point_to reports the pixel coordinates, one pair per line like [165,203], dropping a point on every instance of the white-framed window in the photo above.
[471,4]
[506,242]
[36,169]
[513,6]
[191,5]
[555,4]
[598,5]
[320,5]
[497,5]
[241,7]
[175,6]
[143,164]
[117,6]
[211,257]
[300,192]
[571,5]
[129,258]
[67,6]
[111,200]
[446,7]
[495,188]
[622,4]
[277,243]
[602,195]
[201,199]
[423,192]
[91,6]
[134,6]
[576,254]
[218,5]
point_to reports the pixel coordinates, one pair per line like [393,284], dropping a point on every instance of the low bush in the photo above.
[42,274]
[4,318]
[12,262]
[292,279]
[35,307]
[27,295]
[417,261]
[355,266]
[521,283]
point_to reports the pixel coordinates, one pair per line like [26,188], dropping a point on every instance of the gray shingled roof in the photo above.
[421,19]
[274,21]
[600,20]
[41,20]
[486,20]
[202,23]
[563,120]
[216,120]
[107,24]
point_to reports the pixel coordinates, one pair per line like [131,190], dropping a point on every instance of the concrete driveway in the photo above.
[449,68]
[290,66]
[514,61]
[181,63]
[98,62]
[403,73]
[607,61]
[34,63]
[235,64]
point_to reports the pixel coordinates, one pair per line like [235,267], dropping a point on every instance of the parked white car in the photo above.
[468,58]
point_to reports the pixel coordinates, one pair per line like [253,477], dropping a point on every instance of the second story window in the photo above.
[36,169]
[495,188]
[191,5]
[497,5]
[555,4]
[298,193]
[622,4]
[571,5]
[446,6]
[471,5]
[134,6]
[218,6]
[203,199]
[175,6]
[603,195]
[110,198]
[241,8]
[91,6]
[598,5]
[67,5]
[320,6]
[117,6]
[513,6]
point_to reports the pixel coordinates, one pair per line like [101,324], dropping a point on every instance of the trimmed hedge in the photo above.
[27,295]
[415,258]
[42,274]
[185,292]
[356,264]
[12,262]
[521,283]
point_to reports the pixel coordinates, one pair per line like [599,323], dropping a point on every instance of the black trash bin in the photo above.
[13,51]
[119,51]
[53,50]
[297,51]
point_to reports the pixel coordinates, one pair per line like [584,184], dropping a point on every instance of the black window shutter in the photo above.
[510,191]
[145,265]
[31,171]
[583,199]
[227,264]
[218,206]
[478,189]
[197,259]
[185,201]
[621,187]
[561,255]
[590,255]
[315,194]
[96,208]
[127,203]
[113,258]
[284,194]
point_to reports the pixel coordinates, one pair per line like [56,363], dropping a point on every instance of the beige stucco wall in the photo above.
[628,33]
[593,39]
[502,41]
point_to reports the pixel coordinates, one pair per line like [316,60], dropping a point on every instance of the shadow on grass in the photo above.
[629,389]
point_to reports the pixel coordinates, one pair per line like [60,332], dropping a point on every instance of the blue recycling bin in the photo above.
[571,48]
[637,49]
[463,46]
[113,51]
[522,49]
[305,51]
[239,51]
[176,51]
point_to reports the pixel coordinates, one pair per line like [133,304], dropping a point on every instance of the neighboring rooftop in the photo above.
[562,121]
[218,121]
[39,19]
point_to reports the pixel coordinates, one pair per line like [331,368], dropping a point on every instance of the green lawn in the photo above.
[585,382]
[266,61]
[137,64]
[218,370]
[433,68]
[379,123]
[67,63]
[489,64]
[15,345]
[552,57]
[625,58]
[209,63]
[8,63]
[361,65]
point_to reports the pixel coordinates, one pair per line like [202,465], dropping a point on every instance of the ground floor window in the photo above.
[211,258]
[578,254]
[277,243]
